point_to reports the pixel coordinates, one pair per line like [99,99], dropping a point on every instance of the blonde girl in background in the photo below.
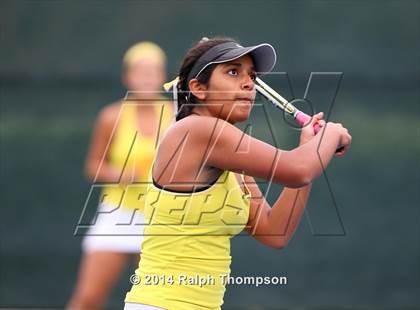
[122,149]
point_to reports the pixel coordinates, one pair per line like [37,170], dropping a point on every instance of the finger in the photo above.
[348,139]
[317,121]
[344,151]
[340,153]
[317,117]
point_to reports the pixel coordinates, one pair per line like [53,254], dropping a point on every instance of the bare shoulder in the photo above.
[108,115]
[202,127]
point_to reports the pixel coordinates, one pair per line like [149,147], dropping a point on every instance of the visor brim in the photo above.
[263,55]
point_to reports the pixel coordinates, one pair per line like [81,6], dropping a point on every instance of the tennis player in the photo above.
[204,191]
[122,150]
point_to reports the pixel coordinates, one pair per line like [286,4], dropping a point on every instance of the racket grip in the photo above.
[303,118]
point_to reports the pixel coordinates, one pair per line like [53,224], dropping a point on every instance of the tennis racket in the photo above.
[280,102]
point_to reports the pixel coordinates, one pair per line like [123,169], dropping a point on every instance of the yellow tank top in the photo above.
[187,243]
[132,152]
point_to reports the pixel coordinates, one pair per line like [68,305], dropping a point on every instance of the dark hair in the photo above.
[186,100]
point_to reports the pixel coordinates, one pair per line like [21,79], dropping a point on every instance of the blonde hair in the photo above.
[142,50]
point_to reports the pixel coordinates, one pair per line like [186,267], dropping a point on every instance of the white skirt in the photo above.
[115,230]
[134,306]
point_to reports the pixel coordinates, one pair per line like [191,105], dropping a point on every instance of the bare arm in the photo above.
[275,226]
[231,149]
[197,144]
[97,167]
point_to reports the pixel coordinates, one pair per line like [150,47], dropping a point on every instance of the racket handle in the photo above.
[303,118]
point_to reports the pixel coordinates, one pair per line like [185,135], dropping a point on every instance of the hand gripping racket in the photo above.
[280,102]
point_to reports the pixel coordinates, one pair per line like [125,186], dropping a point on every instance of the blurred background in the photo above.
[358,245]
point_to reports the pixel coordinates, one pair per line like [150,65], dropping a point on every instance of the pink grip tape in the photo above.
[303,118]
